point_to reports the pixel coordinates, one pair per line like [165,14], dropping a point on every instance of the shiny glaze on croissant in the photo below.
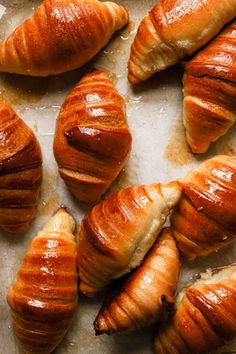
[147,295]
[92,139]
[205,317]
[20,171]
[174,29]
[117,233]
[210,91]
[61,35]
[205,218]
[44,296]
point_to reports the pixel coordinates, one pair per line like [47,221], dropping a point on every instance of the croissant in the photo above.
[205,317]
[205,217]
[20,171]
[92,139]
[117,233]
[61,35]
[210,91]
[148,293]
[44,296]
[174,29]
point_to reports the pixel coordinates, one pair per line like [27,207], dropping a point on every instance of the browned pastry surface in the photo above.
[148,294]
[20,171]
[210,91]
[92,139]
[61,35]
[174,29]
[205,217]
[43,297]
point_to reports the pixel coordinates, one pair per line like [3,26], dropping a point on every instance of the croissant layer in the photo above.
[92,139]
[205,317]
[210,91]
[20,171]
[60,35]
[148,294]
[174,29]
[117,233]
[44,296]
[205,217]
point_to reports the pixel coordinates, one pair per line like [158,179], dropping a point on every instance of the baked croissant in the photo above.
[20,171]
[174,29]
[61,35]
[92,139]
[117,233]
[205,218]
[210,91]
[147,295]
[205,317]
[43,298]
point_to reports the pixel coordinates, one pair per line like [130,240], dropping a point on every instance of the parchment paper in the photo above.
[159,153]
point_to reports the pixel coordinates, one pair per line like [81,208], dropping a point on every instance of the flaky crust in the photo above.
[92,139]
[117,233]
[205,318]
[20,171]
[210,91]
[44,296]
[148,294]
[61,35]
[174,29]
[205,218]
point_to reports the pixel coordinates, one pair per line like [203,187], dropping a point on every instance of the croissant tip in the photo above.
[97,329]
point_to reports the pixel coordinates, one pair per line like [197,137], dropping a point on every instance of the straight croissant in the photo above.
[61,35]
[43,298]
[174,29]
[205,218]
[148,294]
[210,91]
[92,140]
[20,172]
[205,318]
[117,233]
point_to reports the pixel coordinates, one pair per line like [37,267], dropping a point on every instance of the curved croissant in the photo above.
[210,91]
[205,218]
[117,233]
[92,139]
[147,295]
[61,35]
[174,29]
[205,318]
[20,171]
[44,296]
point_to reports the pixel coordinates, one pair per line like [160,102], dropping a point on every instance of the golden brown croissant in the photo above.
[117,233]
[44,296]
[92,139]
[210,91]
[147,295]
[61,35]
[20,171]
[174,29]
[205,317]
[205,218]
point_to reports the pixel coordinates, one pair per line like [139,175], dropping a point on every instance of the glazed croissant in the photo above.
[205,318]
[92,139]
[174,29]
[205,218]
[147,295]
[117,233]
[20,171]
[210,91]
[61,35]
[44,296]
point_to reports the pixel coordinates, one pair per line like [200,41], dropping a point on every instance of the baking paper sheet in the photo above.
[159,153]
